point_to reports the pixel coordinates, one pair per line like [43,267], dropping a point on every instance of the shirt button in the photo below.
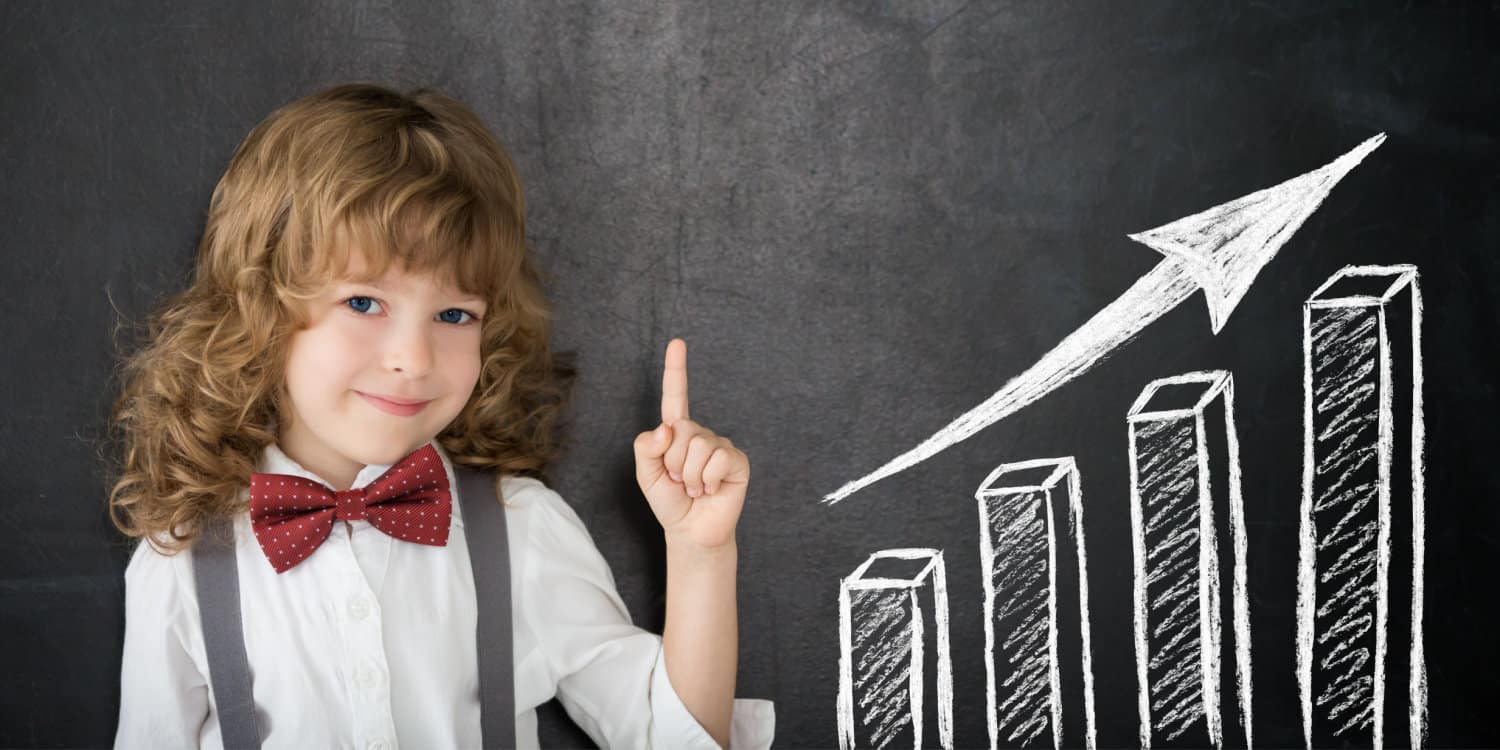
[378,745]
[367,676]
[359,607]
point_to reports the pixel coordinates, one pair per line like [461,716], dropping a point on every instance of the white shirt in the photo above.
[370,641]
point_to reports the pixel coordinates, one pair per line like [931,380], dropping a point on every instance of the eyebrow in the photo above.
[460,296]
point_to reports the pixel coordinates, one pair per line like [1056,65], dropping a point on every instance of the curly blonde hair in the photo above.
[414,179]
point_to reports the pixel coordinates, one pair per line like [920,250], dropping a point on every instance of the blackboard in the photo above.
[865,219]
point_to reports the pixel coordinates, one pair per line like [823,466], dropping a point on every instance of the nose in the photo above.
[409,349]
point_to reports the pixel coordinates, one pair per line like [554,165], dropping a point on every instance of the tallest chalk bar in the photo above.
[1359,616]
[1192,616]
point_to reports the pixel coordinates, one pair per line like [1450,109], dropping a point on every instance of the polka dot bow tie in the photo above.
[293,515]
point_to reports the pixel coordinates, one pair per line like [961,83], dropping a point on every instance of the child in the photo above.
[365,250]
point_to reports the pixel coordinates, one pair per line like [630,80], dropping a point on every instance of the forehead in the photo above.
[359,269]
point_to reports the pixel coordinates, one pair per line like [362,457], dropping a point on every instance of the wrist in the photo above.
[685,548]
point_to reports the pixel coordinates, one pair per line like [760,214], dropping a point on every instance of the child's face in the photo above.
[404,339]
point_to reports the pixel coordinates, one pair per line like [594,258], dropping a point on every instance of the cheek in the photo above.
[322,360]
[461,368]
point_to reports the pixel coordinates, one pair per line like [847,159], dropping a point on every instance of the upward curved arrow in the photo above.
[1219,251]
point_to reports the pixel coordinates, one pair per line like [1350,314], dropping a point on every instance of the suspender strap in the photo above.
[218,583]
[216,579]
[489,557]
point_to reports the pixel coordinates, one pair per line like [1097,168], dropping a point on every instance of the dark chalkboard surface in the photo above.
[866,219]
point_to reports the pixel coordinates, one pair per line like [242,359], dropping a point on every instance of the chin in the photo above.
[388,453]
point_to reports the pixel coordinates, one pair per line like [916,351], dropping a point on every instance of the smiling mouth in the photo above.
[398,401]
[394,407]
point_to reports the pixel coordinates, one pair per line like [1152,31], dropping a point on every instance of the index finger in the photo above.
[674,386]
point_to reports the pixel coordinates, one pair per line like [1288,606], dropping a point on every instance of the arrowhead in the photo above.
[1224,248]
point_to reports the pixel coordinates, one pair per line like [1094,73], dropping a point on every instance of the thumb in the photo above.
[649,448]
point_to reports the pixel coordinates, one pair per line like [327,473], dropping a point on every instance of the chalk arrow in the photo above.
[1219,251]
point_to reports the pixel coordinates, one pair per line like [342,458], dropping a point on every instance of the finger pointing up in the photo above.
[674,386]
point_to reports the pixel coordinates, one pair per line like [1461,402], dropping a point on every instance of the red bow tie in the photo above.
[292,515]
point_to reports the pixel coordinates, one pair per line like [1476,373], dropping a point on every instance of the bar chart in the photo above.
[1360,667]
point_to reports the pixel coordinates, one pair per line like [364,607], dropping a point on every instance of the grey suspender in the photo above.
[218,583]
[218,586]
[489,555]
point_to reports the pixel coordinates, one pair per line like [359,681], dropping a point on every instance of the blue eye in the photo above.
[367,300]
[355,304]
[456,310]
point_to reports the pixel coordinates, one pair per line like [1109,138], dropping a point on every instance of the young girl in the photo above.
[364,311]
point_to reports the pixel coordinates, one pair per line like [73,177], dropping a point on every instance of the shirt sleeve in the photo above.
[611,675]
[752,722]
[163,694]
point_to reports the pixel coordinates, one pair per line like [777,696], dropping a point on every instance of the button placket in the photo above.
[364,643]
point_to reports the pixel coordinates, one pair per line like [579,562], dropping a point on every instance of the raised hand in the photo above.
[694,479]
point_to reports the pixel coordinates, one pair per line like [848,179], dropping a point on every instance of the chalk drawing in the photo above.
[1039,678]
[1359,581]
[1184,499]
[1220,250]
[895,677]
